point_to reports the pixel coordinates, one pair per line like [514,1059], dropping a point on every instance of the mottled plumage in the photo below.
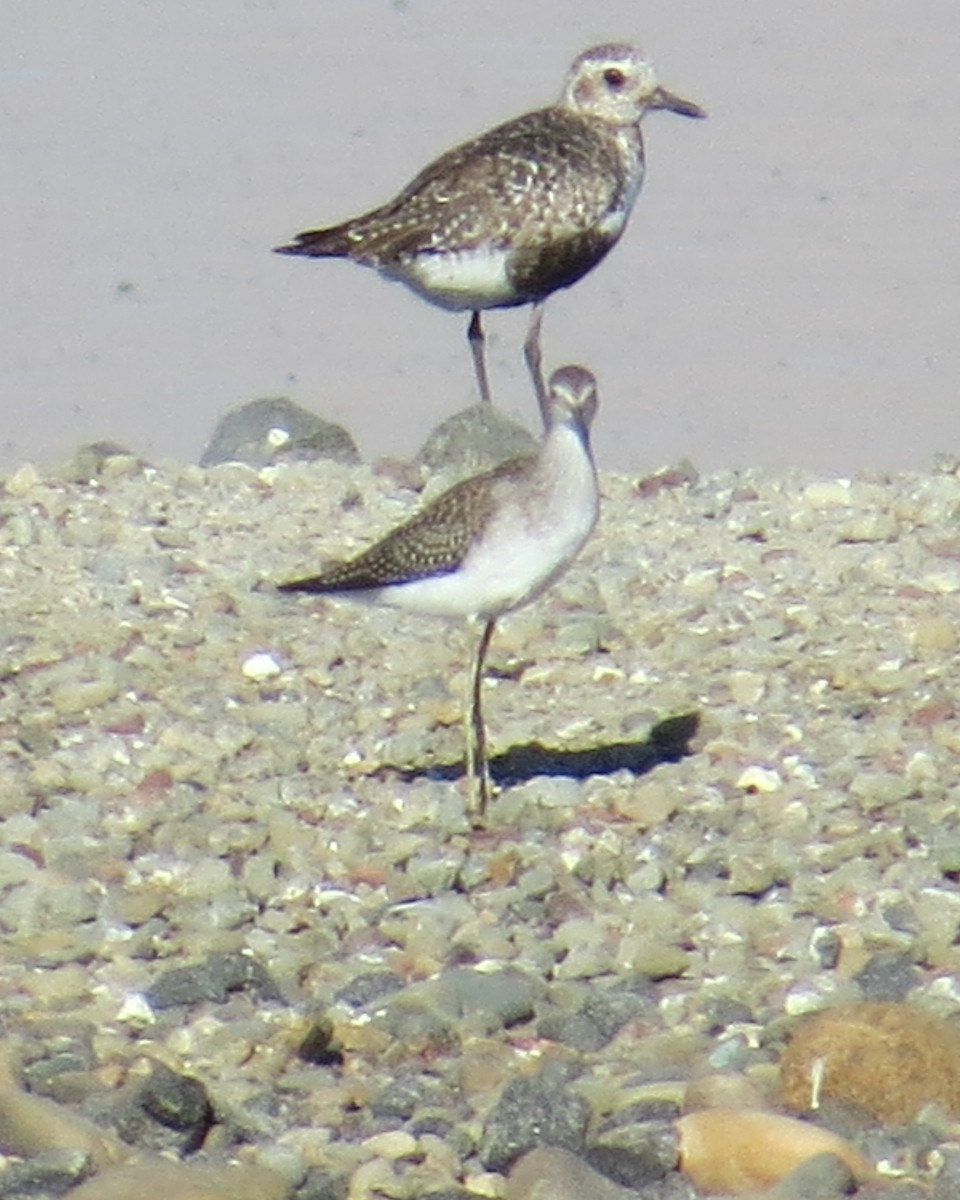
[534,189]
[522,210]
[490,543]
[433,542]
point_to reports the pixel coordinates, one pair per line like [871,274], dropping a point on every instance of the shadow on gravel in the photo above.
[668,741]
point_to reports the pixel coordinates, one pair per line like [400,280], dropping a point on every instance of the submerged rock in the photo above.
[473,440]
[274,430]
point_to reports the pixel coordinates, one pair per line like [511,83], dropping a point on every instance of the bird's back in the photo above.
[541,177]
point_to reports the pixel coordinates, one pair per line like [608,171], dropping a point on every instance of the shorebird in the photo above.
[520,211]
[488,545]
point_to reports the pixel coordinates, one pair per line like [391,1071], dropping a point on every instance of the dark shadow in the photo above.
[668,741]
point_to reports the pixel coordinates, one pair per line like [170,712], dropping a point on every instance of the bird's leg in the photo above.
[531,352]
[477,762]
[475,338]
[470,765]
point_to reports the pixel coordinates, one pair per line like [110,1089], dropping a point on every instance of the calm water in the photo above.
[788,290]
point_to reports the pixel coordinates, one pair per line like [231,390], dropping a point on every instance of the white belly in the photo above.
[529,542]
[466,279]
[492,580]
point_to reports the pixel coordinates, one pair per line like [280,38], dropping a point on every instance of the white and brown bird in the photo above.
[489,544]
[520,211]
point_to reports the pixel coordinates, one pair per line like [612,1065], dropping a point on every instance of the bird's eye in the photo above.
[614,78]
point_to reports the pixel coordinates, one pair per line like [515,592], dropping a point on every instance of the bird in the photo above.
[488,545]
[526,208]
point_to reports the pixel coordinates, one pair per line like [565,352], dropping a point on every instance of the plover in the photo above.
[488,545]
[526,208]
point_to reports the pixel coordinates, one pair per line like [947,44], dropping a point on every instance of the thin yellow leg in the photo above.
[478,765]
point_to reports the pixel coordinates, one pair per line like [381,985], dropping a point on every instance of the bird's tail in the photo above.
[315,583]
[319,243]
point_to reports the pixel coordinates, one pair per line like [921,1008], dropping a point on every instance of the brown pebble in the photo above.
[887,1059]
[549,1173]
[723,1150]
[682,475]
[31,1125]
[174,1181]
[723,1091]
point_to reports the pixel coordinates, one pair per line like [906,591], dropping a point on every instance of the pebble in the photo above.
[49,1172]
[263,432]
[503,997]
[636,1155]
[825,1176]
[533,1112]
[178,1182]
[178,1101]
[726,750]
[760,779]
[395,1144]
[738,1151]
[473,440]
[260,667]
[887,1059]
[595,1021]
[213,979]
[22,482]
[33,1125]
[552,1173]
[889,975]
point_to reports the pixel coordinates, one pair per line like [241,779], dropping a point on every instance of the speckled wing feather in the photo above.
[433,542]
[474,194]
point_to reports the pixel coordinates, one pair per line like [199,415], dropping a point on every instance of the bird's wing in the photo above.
[434,541]
[478,194]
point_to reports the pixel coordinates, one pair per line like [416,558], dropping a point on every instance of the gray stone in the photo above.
[322,1185]
[826,945]
[88,461]
[474,439]
[901,916]
[212,980]
[52,1172]
[533,1112]
[364,989]
[414,1013]
[65,1058]
[276,430]
[506,996]
[889,975]
[947,1184]
[319,1045]
[601,1016]
[431,1008]
[400,1098]
[823,1176]
[900,1190]
[177,1101]
[636,1155]
[556,1173]
[722,1011]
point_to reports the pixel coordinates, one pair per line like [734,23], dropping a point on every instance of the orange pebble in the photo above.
[736,1151]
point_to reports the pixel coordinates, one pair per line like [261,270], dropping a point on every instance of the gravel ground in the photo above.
[245,915]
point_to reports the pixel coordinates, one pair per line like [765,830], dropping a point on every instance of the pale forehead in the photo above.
[607,53]
[573,378]
[573,389]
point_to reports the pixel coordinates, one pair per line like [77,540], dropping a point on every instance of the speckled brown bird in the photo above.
[489,544]
[524,209]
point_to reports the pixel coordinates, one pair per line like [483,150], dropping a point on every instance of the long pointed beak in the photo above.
[685,108]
